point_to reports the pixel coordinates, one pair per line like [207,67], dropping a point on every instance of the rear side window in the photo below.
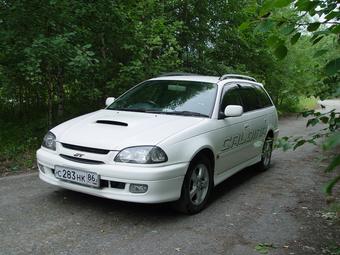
[231,97]
[249,98]
[263,97]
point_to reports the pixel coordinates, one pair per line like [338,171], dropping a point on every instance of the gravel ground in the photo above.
[283,209]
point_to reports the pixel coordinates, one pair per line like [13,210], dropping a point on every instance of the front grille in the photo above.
[104,183]
[86,149]
[82,160]
[117,185]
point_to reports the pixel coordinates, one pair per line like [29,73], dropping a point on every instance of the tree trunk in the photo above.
[50,104]
[60,92]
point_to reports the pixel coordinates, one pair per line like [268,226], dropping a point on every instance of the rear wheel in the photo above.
[266,156]
[197,186]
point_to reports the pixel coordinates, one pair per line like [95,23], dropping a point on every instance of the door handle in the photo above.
[246,125]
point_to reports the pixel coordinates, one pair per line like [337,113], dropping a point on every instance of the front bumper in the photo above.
[276,134]
[164,182]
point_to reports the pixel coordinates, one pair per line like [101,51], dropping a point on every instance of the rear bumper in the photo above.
[164,182]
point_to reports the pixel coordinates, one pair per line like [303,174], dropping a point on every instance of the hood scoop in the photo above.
[112,122]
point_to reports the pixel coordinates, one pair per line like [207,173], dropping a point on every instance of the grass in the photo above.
[298,104]
[19,140]
[307,103]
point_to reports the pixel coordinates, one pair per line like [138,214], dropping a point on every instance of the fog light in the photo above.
[41,168]
[138,188]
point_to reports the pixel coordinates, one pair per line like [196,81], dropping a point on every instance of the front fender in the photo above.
[186,150]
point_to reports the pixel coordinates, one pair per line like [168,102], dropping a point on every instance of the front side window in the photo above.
[231,96]
[169,97]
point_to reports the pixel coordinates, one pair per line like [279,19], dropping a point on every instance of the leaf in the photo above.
[287,30]
[266,15]
[334,163]
[299,143]
[274,40]
[308,113]
[281,3]
[295,38]
[283,143]
[332,15]
[329,186]
[336,29]
[324,119]
[312,141]
[319,53]
[286,138]
[317,114]
[333,66]
[265,26]
[332,141]
[312,122]
[244,26]
[264,10]
[281,51]
[263,248]
[318,39]
[320,32]
[313,26]
[305,5]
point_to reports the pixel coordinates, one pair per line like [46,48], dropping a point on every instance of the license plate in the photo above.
[77,176]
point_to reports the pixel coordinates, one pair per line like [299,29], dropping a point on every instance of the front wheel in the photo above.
[197,186]
[266,156]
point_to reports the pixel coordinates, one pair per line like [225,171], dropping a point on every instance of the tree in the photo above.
[319,21]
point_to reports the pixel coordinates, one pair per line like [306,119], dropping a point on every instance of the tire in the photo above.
[197,186]
[267,150]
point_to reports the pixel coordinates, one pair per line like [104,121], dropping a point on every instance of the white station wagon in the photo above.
[170,138]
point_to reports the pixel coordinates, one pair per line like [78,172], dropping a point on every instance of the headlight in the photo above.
[142,155]
[49,141]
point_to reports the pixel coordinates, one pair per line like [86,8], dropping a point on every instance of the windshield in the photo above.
[169,97]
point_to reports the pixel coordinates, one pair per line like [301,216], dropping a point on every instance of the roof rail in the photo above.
[236,76]
[176,74]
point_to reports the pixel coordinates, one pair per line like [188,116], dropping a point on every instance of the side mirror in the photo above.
[233,111]
[109,101]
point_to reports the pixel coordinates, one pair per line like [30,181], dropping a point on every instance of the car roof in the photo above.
[202,78]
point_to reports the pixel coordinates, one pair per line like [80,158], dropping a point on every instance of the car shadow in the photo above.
[79,201]
[234,182]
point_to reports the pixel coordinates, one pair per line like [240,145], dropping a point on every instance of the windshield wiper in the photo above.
[127,109]
[183,113]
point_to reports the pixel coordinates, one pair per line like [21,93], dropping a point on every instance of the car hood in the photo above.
[115,130]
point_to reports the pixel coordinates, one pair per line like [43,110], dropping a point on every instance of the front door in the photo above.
[256,125]
[231,135]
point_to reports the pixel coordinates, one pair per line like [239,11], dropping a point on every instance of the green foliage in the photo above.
[263,248]
[295,38]
[318,21]
[281,51]
[330,132]
[64,57]
[302,17]
[333,249]
[333,66]
[17,140]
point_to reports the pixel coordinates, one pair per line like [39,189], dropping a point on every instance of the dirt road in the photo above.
[283,207]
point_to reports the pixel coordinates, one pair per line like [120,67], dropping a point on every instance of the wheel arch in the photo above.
[270,133]
[208,152]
